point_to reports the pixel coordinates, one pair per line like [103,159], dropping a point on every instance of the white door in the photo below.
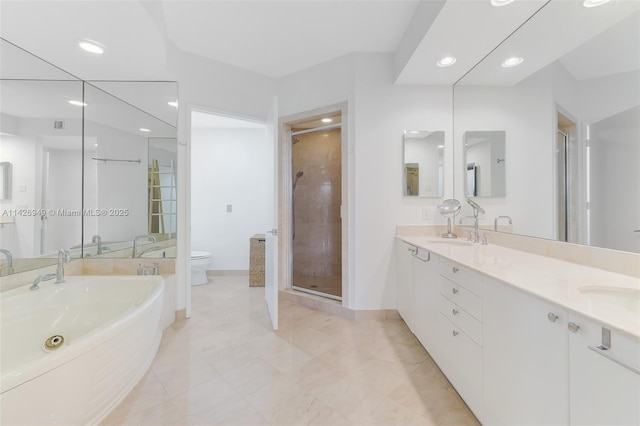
[271,236]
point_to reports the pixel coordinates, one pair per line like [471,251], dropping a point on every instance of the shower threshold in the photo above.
[316,292]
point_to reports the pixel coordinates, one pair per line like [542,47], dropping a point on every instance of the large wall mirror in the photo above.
[423,163]
[570,110]
[51,126]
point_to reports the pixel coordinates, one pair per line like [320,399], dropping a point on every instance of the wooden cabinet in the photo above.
[525,350]
[603,392]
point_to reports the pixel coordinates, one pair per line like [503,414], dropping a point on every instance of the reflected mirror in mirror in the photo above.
[41,136]
[5,180]
[423,163]
[560,186]
[484,153]
[129,174]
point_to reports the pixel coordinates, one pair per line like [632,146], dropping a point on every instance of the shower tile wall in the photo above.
[317,254]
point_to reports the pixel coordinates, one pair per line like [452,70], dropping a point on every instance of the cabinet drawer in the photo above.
[461,297]
[471,326]
[461,275]
[463,366]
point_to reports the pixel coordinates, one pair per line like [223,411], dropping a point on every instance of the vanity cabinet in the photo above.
[404,282]
[425,303]
[603,392]
[525,352]
[459,335]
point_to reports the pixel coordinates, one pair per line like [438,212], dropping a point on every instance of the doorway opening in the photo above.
[316,199]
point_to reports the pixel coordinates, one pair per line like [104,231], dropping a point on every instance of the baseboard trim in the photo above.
[226,272]
[335,307]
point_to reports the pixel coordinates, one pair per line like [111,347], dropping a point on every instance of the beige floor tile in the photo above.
[236,413]
[226,366]
[208,396]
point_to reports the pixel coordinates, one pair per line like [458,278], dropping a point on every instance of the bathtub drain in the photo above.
[53,342]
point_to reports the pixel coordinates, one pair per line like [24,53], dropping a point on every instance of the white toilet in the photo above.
[200,261]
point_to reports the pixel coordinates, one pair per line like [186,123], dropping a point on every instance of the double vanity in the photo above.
[523,338]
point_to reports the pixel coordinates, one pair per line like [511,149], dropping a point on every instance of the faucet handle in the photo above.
[484,239]
[469,236]
[65,255]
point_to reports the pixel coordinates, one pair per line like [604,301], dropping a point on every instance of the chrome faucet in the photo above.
[43,277]
[97,240]
[135,242]
[495,222]
[149,249]
[476,210]
[63,257]
[7,253]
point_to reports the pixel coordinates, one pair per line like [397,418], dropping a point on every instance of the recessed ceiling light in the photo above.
[447,61]
[77,103]
[326,120]
[594,3]
[92,46]
[512,62]
[95,144]
[414,132]
[173,103]
[142,129]
[499,3]
[440,146]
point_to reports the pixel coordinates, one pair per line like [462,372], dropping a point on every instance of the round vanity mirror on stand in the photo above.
[449,209]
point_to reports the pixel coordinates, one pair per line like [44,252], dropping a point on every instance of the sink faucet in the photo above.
[63,257]
[7,253]
[495,222]
[43,277]
[97,240]
[476,210]
[135,242]
[149,249]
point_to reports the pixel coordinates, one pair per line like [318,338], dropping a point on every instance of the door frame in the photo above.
[285,196]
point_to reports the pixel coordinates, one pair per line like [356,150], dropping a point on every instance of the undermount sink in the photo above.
[628,298]
[451,242]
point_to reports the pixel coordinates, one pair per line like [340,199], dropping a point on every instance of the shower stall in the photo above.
[315,209]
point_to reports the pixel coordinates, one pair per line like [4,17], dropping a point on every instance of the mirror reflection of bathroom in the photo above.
[485,163]
[316,198]
[231,196]
[423,163]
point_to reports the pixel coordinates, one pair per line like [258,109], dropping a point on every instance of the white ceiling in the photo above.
[203,120]
[277,38]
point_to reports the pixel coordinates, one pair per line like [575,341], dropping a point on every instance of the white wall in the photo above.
[230,166]
[526,113]
[378,112]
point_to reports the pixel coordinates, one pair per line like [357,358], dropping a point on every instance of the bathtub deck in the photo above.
[225,366]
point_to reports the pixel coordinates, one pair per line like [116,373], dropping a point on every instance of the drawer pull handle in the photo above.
[455,312]
[552,317]
[573,327]
[601,350]
[455,333]
[455,269]
[454,290]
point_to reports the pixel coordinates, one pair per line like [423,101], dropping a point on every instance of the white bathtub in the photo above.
[111,327]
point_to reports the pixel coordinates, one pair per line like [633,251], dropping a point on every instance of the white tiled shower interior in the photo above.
[225,366]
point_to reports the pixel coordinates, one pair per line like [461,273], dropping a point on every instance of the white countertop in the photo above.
[554,280]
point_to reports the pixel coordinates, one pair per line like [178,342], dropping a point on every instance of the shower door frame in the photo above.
[293,286]
[286,198]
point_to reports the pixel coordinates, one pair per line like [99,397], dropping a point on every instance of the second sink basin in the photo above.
[628,298]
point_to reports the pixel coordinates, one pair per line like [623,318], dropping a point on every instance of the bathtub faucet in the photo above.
[7,253]
[43,277]
[63,257]
[135,242]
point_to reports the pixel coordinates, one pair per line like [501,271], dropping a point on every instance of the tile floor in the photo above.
[225,366]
